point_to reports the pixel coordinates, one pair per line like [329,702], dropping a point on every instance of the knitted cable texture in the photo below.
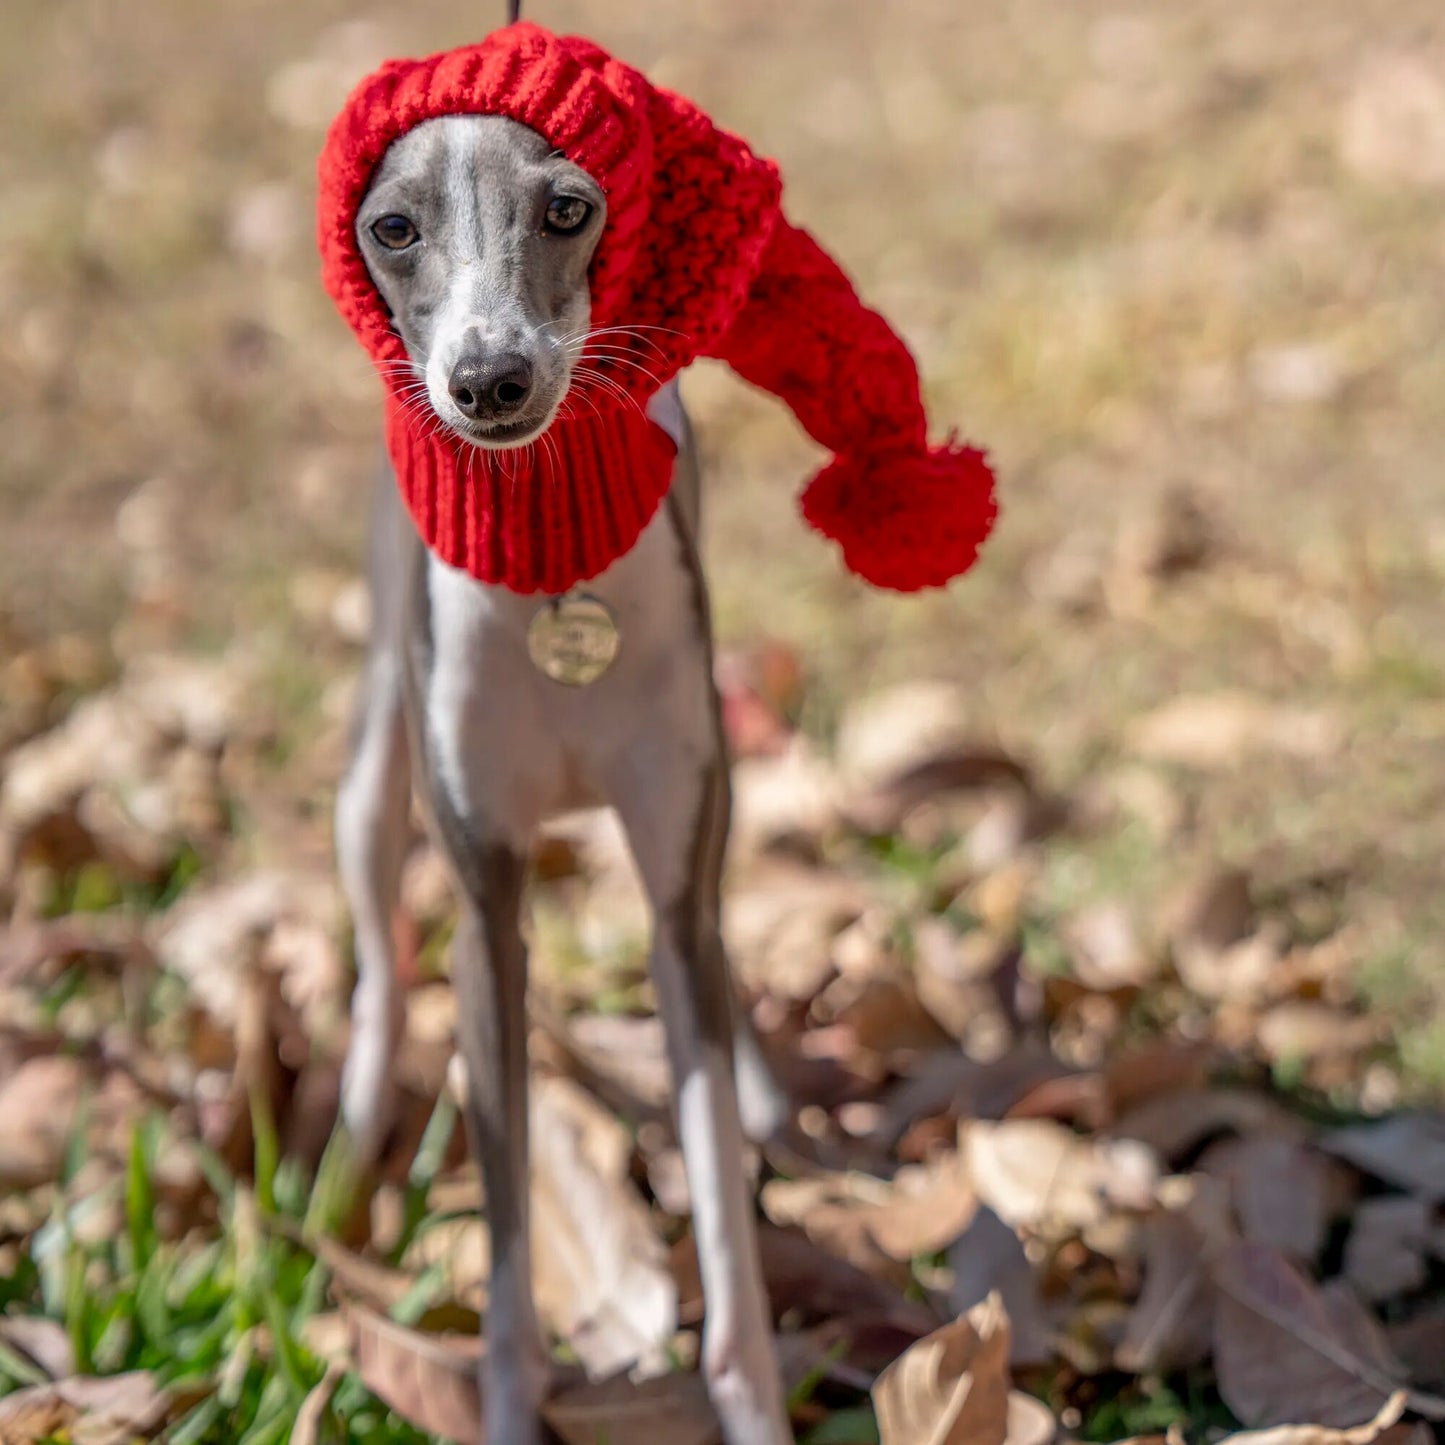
[695,259]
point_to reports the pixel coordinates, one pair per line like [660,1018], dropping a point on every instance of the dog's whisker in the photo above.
[635,329]
[610,359]
[581,394]
[611,386]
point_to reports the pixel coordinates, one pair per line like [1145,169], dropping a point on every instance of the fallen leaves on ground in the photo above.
[113,1410]
[600,1269]
[430,1380]
[951,1388]
[922,1209]
[1036,1144]
[1284,1349]
[1365,1434]
[1038,1174]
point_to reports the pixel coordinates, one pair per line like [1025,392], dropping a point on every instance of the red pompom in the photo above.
[905,520]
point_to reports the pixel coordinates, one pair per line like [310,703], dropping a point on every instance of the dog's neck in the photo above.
[541,518]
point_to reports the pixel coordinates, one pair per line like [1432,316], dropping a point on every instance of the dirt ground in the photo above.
[1180,268]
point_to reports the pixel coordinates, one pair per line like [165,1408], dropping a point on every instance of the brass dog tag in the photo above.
[573,639]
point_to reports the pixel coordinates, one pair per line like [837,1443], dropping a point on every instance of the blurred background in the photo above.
[1180,268]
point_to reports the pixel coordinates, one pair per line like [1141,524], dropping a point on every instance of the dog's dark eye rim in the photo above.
[395,232]
[566,215]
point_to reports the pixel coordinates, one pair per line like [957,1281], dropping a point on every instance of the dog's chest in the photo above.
[540,746]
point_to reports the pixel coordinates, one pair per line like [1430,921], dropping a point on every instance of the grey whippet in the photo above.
[494,318]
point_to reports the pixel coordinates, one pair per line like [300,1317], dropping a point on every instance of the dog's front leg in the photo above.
[484,787]
[373,813]
[489,965]
[672,794]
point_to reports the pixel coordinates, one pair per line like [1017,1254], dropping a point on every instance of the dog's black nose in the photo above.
[489,388]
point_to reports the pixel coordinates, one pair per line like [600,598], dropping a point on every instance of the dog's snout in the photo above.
[486,388]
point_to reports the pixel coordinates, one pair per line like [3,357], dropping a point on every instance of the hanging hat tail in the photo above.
[906,515]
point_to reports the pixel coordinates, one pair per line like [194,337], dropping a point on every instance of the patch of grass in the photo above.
[845,1427]
[1399,981]
[610,972]
[220,1322]
[1122,863]
[1422,1054]
[96,887]
[1150,1406]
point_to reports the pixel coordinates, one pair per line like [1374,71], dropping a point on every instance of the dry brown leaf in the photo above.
[429,1380]
[1175,1124]
[1387,1244]
[114,1409]
[780,922]
[79,771]
[311,1417]
[198,700]
[891,732]
[801,1276]
[949,1081]
[29,1416]
[328,1336]
[953,972]
[38,1105]
[1407,1151]
[460,1248]
[214,935]
[1153,1069]
[931,1204]
[26,948]
[1419,1343]
[1170,1324]
[988,1257]
[1417,1433]
[1210,914]
[629,1052]
[1240,974]
[951,1388]
[910,800]
[1358,1329]
[922,1209]
[668,1410]
[314,980]
[1215,730]
[1311,1029]
[1280,1190]
[1079,1099]
[1032,1171]
[1105,950]
[618,1058]
[1030,1421]
[1279,1350]
[785,801]
[1391,129]
[356,1278]
[885,1017]
[45,1343]
[600,1268]
[1365,1434]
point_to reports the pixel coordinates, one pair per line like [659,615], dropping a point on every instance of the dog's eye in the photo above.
[396,233]
[567,215]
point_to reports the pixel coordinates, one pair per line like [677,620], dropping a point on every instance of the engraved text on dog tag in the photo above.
[573,639]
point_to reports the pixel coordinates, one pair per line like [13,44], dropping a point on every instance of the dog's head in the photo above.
[478,235]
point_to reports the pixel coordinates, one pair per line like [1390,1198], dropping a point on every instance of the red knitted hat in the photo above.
[696,259]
